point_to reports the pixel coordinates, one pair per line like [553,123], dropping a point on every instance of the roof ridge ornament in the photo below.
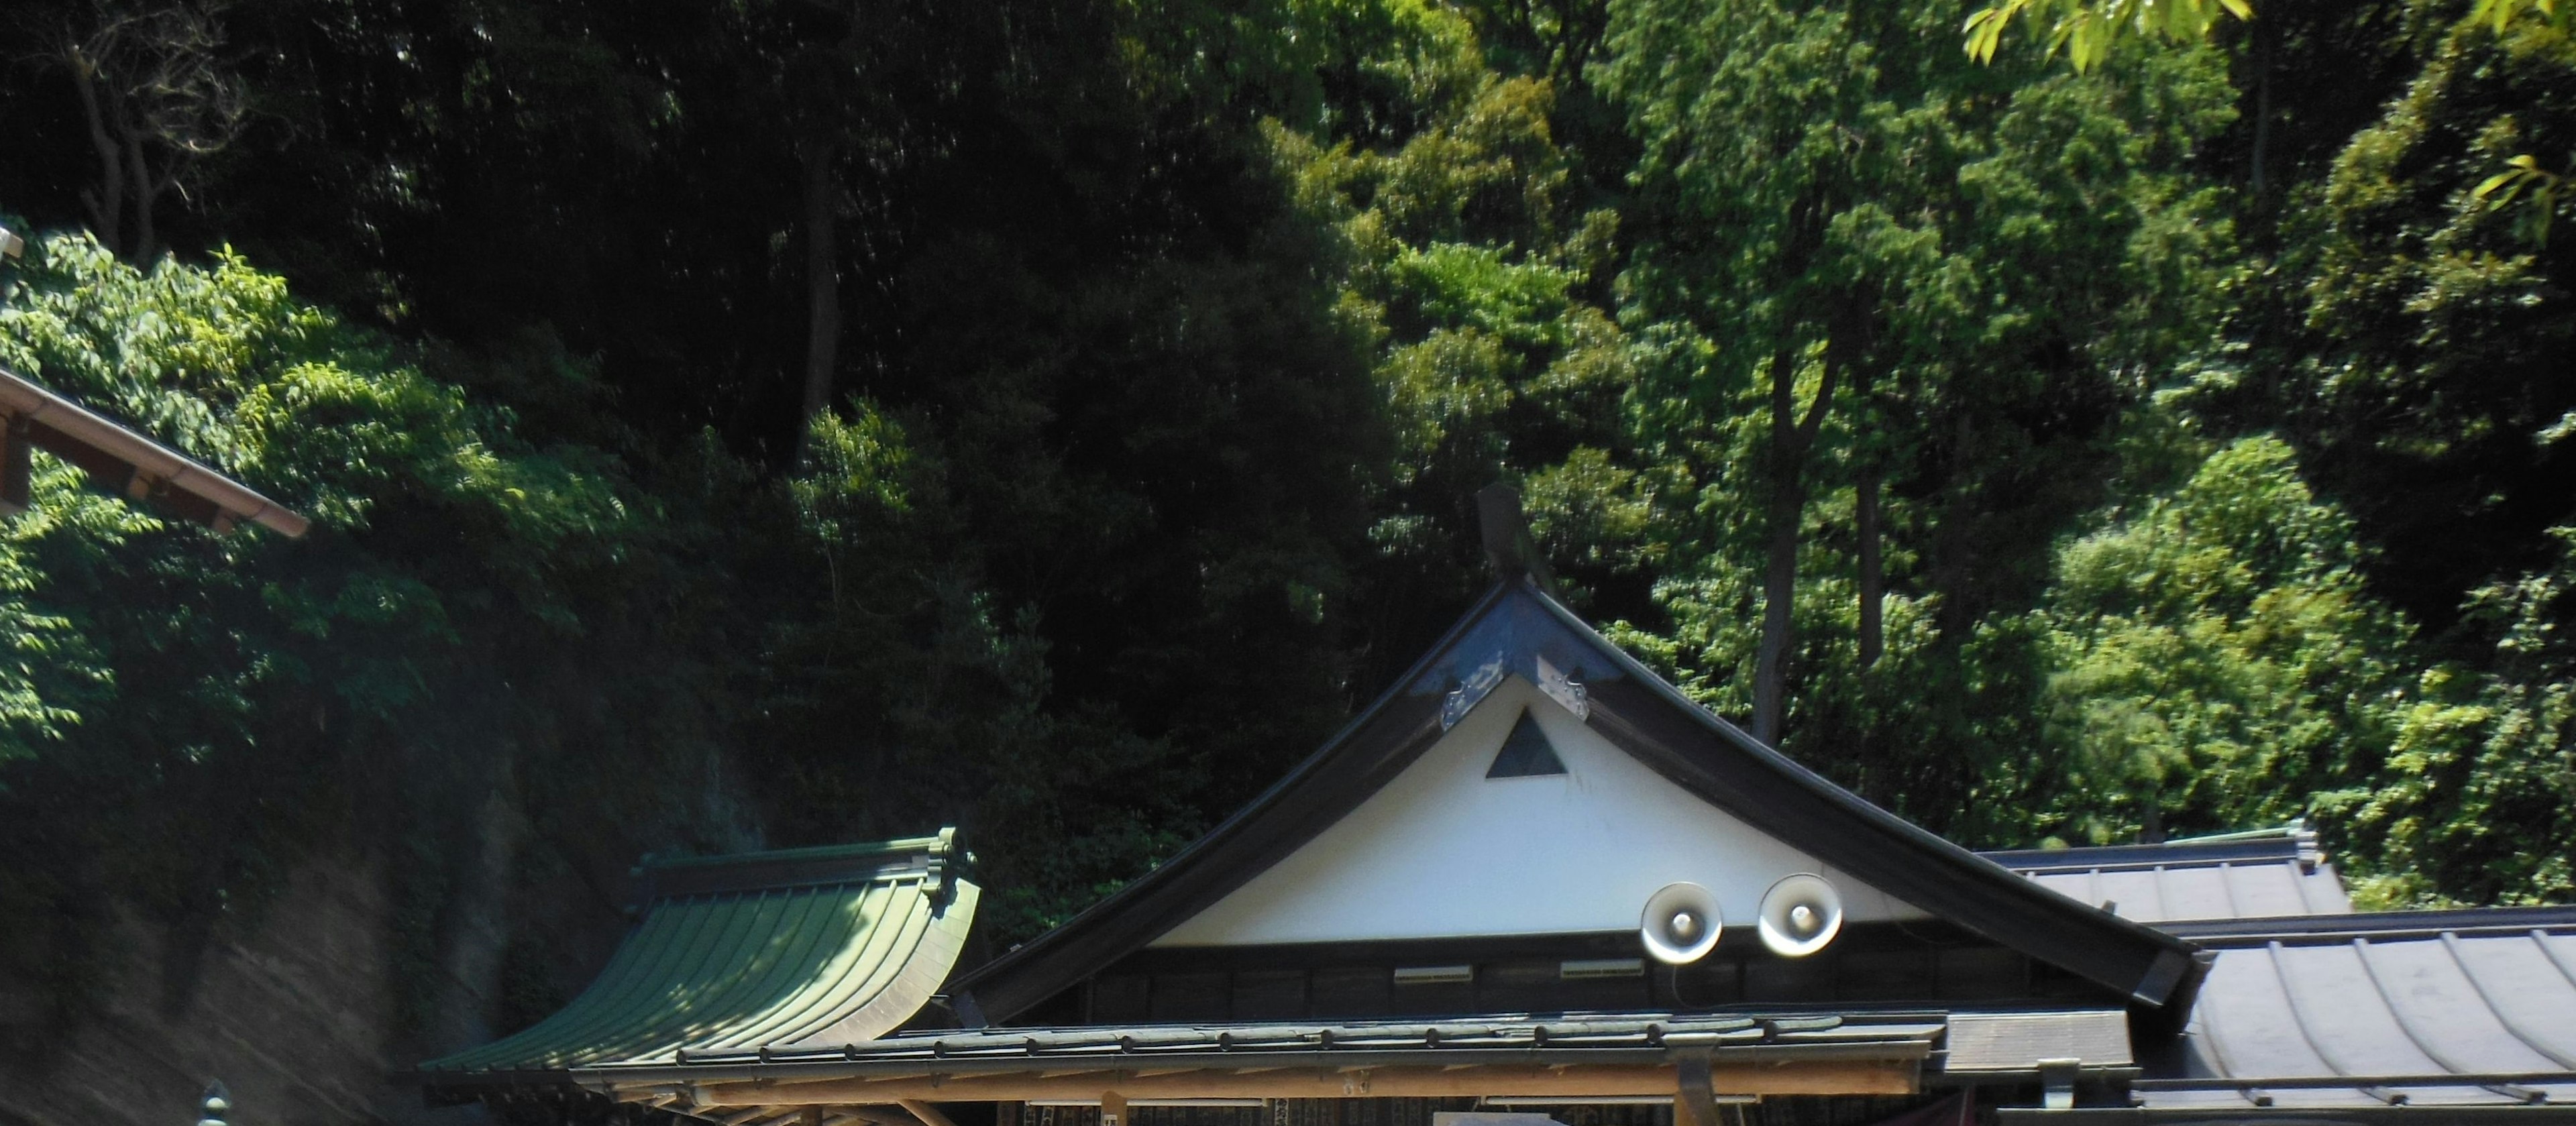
[1472,689]
[1563,687]
[1509,546]
[217,1102]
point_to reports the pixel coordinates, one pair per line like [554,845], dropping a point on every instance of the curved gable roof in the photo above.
[1517,629]
[754,952]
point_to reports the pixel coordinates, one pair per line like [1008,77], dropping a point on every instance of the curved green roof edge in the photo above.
[796,946]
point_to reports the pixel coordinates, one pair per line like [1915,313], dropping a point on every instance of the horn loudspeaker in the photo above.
[1681,924]
[1800,915]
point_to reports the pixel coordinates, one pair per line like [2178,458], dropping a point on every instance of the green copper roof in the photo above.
[776,949]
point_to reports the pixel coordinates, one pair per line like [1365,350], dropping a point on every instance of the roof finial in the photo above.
[1508,543]
[214,1105]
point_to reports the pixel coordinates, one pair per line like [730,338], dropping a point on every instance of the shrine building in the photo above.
[1535,883]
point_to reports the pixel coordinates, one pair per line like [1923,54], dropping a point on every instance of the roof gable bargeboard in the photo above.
[1444,851]
[1516,632]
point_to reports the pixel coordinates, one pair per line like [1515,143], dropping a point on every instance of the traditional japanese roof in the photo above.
[2440,1011]
[1517,632]
[774,949]
[2259,874]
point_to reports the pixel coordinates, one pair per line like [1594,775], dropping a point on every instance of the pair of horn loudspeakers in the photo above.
[1801,914]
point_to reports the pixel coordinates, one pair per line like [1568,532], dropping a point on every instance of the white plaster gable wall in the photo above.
[1442,851]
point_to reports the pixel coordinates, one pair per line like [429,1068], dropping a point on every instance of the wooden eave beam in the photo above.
[122,459]
[928,1114]
[1846,1076]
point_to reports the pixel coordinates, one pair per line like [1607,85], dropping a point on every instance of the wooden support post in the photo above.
[1695,1100]
[15,469]
[1113,1109]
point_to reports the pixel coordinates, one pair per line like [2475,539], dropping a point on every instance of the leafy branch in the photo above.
[2085,29]
[2523,177]
[2500,13]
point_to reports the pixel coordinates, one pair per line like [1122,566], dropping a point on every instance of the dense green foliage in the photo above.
[2173,446]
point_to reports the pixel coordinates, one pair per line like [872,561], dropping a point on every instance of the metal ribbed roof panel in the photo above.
[743,967]
[2441,1010]
[2345,1018]
[2268,874]
[2172,893]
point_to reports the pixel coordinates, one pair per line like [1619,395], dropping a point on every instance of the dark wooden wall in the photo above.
[1930,965]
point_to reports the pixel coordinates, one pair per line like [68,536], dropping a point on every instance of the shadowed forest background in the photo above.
[781,422]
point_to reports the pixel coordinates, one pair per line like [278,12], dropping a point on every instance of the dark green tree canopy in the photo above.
[793,421]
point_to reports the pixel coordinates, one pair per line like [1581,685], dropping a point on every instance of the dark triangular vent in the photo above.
[1526,753]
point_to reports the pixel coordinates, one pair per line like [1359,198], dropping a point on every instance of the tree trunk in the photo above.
[107,208]
[1955,531]
[1873,580]
[2262,102]
[822,280]
[1790,438]
[146,193]
[1873,577]
[1779,587]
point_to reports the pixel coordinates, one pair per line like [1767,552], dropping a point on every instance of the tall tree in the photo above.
[2413,360]
[157,96]
[1742,178]
[1914,273]
[1478,267]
